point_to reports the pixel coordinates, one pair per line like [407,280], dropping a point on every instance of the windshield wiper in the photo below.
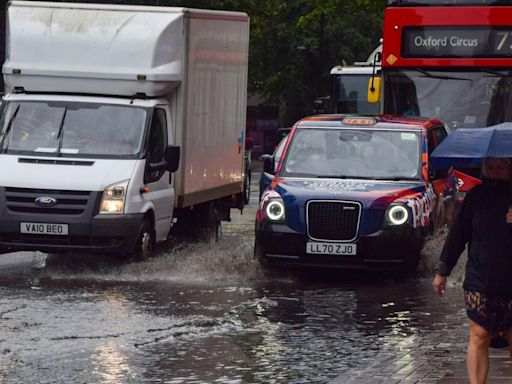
[60,135]
[8,129]
[344,177]
[495,73]
[354,177]
[397,178]
[428,74]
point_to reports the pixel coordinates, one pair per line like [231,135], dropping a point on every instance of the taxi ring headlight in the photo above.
[275,210]
[398,214]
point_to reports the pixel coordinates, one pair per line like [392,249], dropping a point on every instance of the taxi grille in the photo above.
[333,220]
[23,200]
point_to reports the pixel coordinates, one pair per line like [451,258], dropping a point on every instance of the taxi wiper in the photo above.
[428,74]
[344,177]
[60,135]
[331,177]
[397,178]
[8,129]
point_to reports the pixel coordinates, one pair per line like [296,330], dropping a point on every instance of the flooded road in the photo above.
[208,314]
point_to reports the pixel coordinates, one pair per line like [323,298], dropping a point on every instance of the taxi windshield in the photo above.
[353,153]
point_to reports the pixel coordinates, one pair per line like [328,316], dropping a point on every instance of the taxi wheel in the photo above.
[412,261]
[413,256]
[260,258]
[146,244]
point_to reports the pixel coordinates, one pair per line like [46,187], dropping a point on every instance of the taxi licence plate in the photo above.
[331,248]
[44,228]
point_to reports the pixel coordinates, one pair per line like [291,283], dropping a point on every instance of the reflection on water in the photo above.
[110,364]
[204,314]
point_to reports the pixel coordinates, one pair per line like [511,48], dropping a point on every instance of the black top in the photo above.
[481,224]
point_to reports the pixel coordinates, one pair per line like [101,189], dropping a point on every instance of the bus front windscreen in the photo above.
[460,98]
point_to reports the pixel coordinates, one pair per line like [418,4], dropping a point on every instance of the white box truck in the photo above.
[119,122]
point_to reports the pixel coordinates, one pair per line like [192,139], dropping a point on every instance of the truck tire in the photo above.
[247,187]
[206,221]
[211,224]
[146,244]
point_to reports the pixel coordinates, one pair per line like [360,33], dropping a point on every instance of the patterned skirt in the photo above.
[494,313]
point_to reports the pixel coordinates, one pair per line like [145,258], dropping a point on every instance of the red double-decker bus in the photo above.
[450,59]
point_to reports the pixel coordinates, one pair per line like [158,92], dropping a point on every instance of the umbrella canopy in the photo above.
[469,146]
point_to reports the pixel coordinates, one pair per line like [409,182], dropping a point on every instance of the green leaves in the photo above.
[295,43]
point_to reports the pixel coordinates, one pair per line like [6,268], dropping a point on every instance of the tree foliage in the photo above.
[295,43]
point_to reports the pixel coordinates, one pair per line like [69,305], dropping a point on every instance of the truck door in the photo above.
[159,183]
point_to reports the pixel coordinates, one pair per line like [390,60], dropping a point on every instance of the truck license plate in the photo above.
[44,228]
[331,248]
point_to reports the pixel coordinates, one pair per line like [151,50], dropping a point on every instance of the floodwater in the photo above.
[207,314]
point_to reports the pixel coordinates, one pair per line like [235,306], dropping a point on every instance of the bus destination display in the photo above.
[457,42]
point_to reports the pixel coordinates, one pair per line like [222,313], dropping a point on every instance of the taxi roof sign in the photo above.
[359,121]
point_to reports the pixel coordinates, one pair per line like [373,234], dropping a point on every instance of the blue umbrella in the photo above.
[469,146]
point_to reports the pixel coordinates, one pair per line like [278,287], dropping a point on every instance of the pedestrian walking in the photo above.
[484,224]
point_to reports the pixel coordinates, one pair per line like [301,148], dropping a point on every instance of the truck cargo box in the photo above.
[195,60]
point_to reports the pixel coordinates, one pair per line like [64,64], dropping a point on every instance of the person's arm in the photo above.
[458,236]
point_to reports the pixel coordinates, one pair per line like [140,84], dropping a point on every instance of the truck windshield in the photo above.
[353,153]
[71,129]
[351,94]
[463,98]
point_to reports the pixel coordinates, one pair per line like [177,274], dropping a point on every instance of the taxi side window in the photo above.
[434,137]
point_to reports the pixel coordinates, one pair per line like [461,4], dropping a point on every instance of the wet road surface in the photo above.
[208,314]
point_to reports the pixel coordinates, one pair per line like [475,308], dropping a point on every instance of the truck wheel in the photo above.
[146,244]
[209,229]
[247,187]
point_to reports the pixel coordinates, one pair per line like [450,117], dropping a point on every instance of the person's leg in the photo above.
[478,353]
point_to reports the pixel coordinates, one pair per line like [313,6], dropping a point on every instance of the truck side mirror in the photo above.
[268,164]
[374,89]
[172,158]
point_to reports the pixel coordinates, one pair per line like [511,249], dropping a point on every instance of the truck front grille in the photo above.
[23,200]
[333,220]
[52,240]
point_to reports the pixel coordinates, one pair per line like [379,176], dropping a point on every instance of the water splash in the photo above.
[225,262]
[430,256]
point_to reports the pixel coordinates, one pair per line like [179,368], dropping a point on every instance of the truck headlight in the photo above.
[397,214]
[114,197]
